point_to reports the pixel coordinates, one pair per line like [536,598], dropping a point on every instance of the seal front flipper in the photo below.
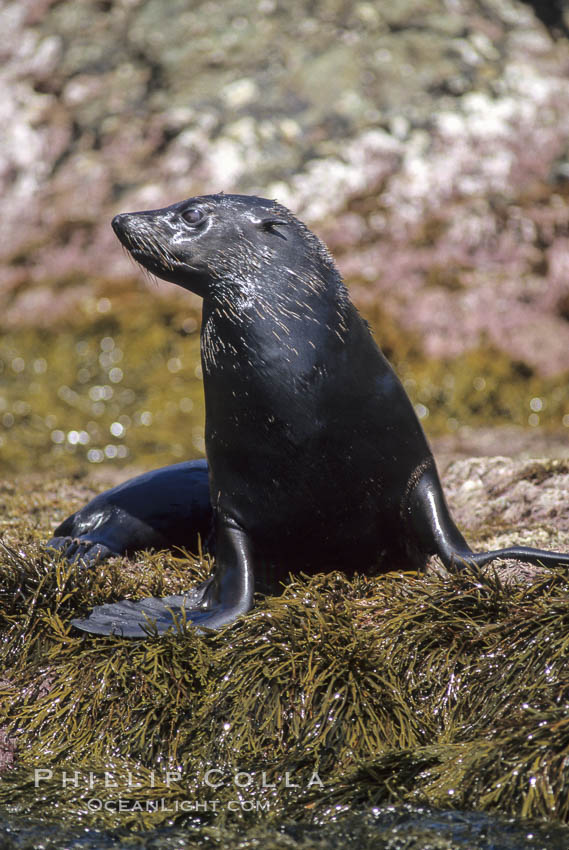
[147,616]
[436,534]
[211,605]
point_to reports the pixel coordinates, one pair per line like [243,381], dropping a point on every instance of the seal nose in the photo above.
[118,223]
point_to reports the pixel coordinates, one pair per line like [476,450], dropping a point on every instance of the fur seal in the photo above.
[316,457]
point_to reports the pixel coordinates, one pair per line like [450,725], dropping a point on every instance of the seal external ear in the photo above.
[270,223]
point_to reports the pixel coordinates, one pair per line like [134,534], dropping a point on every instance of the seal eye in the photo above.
[193,216]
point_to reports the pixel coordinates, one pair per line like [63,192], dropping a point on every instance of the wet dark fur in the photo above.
[316,457]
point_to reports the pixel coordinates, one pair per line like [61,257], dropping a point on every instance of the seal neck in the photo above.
[262,321]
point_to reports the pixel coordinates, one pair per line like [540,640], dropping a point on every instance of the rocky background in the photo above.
[427,141]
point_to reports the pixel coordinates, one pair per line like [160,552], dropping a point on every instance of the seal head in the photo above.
[204,244]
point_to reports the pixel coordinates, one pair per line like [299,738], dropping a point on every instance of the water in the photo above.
[387,828]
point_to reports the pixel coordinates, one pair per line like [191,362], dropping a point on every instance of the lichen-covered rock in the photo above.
[427,142]
[506,492]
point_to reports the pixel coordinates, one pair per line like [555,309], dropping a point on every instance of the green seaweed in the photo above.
[441,690]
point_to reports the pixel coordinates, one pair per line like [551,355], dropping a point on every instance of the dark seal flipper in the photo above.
[147,616]
[211,605]
[163,509]
[430,520]
[85,549]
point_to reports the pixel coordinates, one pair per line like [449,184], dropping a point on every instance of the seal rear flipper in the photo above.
[166,508]
[75,549]
[211,605]
[435,531]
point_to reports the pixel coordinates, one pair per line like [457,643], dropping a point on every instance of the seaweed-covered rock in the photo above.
[341,694]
